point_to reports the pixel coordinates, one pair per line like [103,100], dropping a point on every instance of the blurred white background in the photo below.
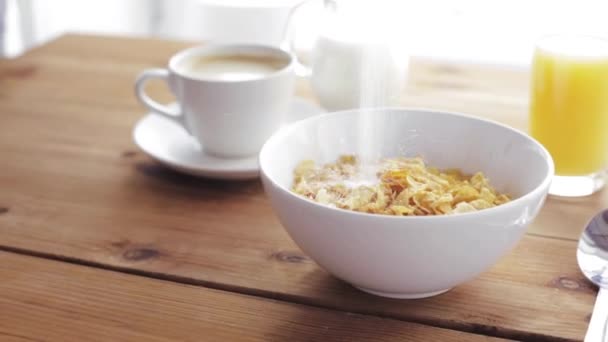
[490,31]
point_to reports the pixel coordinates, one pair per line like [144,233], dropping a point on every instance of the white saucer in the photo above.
[169,144]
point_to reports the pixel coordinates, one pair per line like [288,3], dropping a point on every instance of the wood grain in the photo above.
[74,187]
[44,300]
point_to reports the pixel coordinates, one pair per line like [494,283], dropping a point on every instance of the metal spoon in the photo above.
[592,256]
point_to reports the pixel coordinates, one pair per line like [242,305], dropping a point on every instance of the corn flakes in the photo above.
[397,186]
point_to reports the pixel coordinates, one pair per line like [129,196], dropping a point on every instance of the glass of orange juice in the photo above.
[569,110]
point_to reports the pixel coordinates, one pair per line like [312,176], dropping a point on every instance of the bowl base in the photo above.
[403,295]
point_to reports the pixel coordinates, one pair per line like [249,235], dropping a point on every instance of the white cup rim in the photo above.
[212,48]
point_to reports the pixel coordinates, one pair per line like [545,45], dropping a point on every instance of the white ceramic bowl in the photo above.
[408,257]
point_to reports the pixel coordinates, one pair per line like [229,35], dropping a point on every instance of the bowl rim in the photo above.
[480,213]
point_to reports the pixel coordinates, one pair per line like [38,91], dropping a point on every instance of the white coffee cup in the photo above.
[231,97]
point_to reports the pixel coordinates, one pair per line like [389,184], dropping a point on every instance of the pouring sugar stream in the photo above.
[358,59]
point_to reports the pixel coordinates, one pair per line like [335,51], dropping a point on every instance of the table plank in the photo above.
[52,301]
[516,298]
[73,186]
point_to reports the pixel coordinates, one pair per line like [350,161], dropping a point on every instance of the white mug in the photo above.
[231,97]
[228,21]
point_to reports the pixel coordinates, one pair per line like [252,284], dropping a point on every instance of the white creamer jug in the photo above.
[351,52]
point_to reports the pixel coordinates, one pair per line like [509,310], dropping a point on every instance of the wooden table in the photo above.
[99,242]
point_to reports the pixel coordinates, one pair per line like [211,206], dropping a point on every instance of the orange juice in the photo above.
[569,103]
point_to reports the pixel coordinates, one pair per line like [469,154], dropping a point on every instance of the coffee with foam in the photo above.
[232,67]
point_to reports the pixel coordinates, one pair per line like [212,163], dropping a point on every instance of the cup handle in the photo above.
[155,107]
